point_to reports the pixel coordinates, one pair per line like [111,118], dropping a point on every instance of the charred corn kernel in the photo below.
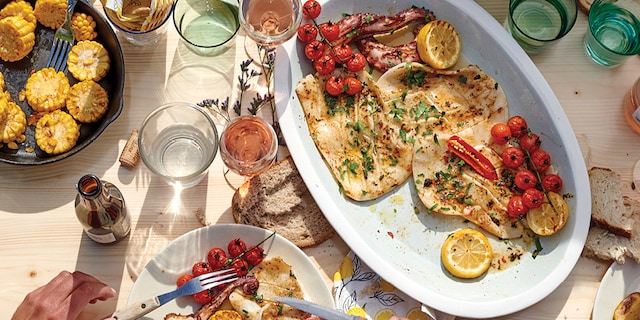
[19,8]
[17,38]
[56,132]
[84,27]
[50,13]
[1,81]
[15,123]
[46,90]
[87,101]
[88,60]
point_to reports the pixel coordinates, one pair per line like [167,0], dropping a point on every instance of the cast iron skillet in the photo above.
[16,74]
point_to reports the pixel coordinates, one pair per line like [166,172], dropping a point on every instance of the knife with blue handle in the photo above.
[316,309]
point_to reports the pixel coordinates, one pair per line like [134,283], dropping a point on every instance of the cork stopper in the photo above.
[130,156]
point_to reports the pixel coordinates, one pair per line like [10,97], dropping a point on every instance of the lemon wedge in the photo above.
[550,217]
[438,44]
[466,253]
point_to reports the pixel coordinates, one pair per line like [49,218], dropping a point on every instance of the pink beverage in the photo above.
[631,107]
[270,22]
[248,145]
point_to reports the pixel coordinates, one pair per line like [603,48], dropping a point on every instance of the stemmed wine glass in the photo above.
[268,23]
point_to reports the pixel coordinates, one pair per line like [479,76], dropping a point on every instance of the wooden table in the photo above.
[40,235]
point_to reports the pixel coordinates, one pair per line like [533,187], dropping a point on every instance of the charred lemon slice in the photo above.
[628,308]
[438,44]
[550,217]
[466,253]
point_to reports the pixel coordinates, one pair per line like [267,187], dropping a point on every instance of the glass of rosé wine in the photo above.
[268,23]
[248,145]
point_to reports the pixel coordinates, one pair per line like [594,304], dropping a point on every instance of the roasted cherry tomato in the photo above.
[352,86]
[254,256]
[324,65]
[330,31]
[540,160]
[513,157]
[342,53]
[533,198]
[552,182]
[357,62]
[240,266]
[217,258]
[236,247]
[314,49]
[334,85]
[530,141]
[311,9]
[500,133]
[517,125]
[307,32]
[183,279]
[472,157]
[526,179]
[515,207]
[203,297]
[200,268]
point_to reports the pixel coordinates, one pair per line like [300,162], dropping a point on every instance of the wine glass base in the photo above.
[257,52]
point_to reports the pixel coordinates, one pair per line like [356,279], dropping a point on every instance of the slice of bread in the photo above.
[278,200]
[608,209]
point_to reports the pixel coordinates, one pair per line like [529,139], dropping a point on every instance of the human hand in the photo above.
[64,297]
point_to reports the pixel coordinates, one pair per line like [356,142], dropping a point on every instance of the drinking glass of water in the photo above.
[614,31]
[268,23]
[178,142]
[248,145]
[538,24]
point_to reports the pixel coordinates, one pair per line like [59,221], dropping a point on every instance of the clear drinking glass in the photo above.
[538,24]
[614,31]
[178,142]
[268,23]
[248,145]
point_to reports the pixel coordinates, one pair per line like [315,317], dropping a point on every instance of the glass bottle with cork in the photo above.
[101,209]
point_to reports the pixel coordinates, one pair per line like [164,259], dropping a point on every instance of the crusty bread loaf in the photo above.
[604,245]
[278,200]
[608,209]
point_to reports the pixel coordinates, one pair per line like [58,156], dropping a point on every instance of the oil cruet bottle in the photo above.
[101,210]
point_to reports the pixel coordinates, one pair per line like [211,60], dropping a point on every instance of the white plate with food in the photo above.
[160,274]
[619,281]
[395,234]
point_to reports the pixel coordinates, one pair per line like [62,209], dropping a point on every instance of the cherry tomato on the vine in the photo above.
[324,65]
[530,141]
[307,32]
[314,49]
[518,126]
[200,268]
[552,182]
[330,31]
[342,53]
[203,297]
[357,62]
[352,86]
[254,256]
[217,258]
[240,266]
[236,247]
[541,160]
[311,9]
[513,157]
[526,179]
[515,207]
[500,133]
[183,279]
[334,85]
[533,198]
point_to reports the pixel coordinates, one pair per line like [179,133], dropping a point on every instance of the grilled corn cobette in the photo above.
[57,132]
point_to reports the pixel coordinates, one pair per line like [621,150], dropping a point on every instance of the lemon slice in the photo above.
[466,253]
[438,44]
[550,217]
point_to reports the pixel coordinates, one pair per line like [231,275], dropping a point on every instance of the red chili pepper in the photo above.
[473,157]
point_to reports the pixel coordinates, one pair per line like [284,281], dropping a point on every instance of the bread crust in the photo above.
[278,200]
